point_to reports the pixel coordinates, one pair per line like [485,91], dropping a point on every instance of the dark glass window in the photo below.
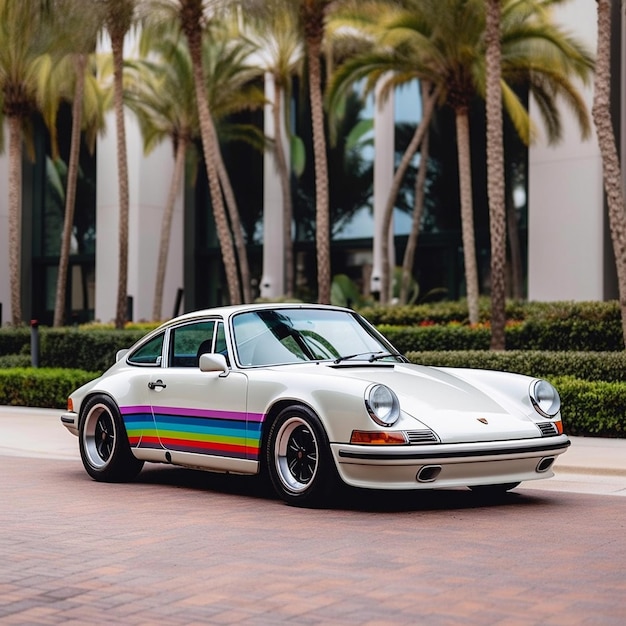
[149,353]
[188,342]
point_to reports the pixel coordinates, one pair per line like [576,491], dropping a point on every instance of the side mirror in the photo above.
[120,354]
[212,362]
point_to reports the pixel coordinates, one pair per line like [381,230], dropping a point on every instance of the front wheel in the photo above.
[104,447]
[299,459]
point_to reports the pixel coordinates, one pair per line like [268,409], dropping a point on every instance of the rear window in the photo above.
[148,353]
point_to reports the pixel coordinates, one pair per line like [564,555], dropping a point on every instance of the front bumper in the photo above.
[448,465]
[69,419]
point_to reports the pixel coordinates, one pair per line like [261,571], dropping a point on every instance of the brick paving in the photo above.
[183,547]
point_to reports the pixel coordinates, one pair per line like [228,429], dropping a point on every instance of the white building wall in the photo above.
[149,181]
[566,246]
[5,279]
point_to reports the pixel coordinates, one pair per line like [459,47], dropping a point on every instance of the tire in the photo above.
[494,489]
[104,447]
[298,458]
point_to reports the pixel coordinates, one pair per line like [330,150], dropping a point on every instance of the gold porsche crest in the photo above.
[482,420]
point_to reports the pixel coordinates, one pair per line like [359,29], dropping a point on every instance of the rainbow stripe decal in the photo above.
[203,431]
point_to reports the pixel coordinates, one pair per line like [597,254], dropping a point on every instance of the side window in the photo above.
[188,342]
[149,353]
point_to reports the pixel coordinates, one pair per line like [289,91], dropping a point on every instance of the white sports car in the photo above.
[313,395]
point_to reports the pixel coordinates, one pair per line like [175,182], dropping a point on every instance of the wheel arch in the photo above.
[273,412]
[94,394]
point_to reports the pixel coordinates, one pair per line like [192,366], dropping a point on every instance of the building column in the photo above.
[273,278]
[384,152]
[567,244]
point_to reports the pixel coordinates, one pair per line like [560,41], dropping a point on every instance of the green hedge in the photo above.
[563,335]
[597,366]
[91,350]
[447,312]
[43,388]
[592,408]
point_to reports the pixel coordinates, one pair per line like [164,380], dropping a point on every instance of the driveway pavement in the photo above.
[183,548]
[591,465]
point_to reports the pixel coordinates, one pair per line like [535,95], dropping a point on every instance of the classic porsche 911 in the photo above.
[315,396]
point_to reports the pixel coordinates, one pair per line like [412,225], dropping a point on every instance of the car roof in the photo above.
[229,310]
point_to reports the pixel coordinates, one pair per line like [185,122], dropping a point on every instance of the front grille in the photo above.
[548,429]
[421,436]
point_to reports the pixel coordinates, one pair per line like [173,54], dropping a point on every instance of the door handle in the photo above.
[157,383]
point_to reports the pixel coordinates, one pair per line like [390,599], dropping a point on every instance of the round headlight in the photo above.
[382,405]
[545,398]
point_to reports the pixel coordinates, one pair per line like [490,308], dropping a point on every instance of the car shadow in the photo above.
[344,498]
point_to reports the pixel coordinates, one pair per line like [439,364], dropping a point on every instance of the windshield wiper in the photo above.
[383,355]
[374,356]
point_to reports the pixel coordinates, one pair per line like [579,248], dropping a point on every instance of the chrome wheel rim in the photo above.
[99,436]
[296,455]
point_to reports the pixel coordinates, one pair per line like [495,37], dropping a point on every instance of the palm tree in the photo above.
[193,16]
[313,15]
[23,38]
[601,111]
[495,174]
[161,93]
[119,16]
[231,88]
[69,76]
[442,42]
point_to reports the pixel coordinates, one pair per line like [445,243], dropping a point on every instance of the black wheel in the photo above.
[494,489]
[299,459]
[104,447]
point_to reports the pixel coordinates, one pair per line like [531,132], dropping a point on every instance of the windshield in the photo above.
[278,336]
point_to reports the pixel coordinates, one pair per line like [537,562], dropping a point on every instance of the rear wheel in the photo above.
[104,447]
[299,459]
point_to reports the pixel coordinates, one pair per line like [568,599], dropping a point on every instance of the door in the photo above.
[201,417]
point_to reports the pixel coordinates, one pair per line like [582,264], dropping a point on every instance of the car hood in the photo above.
[456,409]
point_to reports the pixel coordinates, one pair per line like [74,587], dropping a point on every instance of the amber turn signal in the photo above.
[378,438]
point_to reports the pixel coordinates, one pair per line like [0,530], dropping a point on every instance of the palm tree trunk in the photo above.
[467,212]
[70,191]
[495,175]
[235,224]
[314,29]
[209,143]
[601,112]
[15,216]
[166,226]
[117,46]
[429,107]
[418,210]
[283,174]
